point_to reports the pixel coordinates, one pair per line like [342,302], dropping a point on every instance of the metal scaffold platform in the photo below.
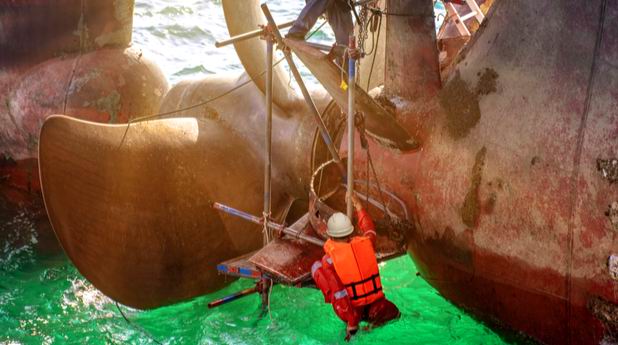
[289,251]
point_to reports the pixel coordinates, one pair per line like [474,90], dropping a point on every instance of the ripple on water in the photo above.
[193,70]
[176,10]
[51,302]
[19,236]
[180,37]
[189,32]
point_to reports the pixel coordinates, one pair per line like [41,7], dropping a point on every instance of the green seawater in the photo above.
[44,300]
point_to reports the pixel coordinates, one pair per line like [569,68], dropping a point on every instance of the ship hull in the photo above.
[69,57]
[512,190]
[511,305]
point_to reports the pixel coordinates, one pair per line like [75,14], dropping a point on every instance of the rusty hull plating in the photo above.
[68,57]
[512,212]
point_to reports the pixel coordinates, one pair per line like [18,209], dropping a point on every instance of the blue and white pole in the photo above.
[351,87]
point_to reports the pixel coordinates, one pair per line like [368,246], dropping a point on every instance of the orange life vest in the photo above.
[356,265]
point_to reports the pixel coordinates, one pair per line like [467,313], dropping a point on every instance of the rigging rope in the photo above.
[197,105]
[376,15]
[137,327]
[360,126]
[376,41]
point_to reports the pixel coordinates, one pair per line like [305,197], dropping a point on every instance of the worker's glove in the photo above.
[355,53]
[350,331]
[336,52]
[358,205]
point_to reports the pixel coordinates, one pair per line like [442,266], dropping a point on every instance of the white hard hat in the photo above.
[339,225]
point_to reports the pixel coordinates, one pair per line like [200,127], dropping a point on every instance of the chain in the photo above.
[362,30]
[362,35]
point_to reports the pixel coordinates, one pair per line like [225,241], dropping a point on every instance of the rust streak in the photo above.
[471,210]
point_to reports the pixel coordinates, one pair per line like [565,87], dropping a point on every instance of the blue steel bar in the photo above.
[351,113]
[237,213]
[232,297]
[244,272]
[270,224]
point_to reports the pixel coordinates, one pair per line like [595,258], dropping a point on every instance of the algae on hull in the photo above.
[471,209]
[461,107]
[461,103]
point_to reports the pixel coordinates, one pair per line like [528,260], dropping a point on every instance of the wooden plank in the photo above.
[289,261]
[461,26]
[477,10]
[380,125]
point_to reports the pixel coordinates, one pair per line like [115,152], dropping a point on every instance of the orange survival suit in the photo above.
[348,277]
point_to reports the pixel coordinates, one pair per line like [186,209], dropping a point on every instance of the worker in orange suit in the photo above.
[348,274]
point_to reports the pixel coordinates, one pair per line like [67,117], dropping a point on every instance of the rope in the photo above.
[197,105]
[375,177]
[326,153]
[376,41]
[341,69]
[137,327]
[360,125]
[265,230]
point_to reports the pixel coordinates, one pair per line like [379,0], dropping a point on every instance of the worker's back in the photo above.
[348,274]
[357,268]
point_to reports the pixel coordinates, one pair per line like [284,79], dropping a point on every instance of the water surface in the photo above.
[44,300]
